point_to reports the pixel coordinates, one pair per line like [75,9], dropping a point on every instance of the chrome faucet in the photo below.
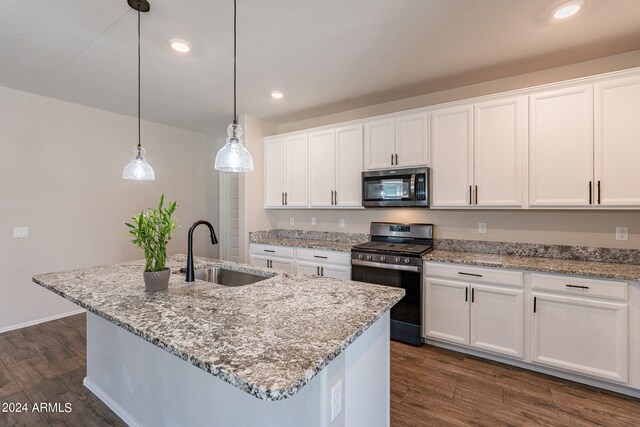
[190,270]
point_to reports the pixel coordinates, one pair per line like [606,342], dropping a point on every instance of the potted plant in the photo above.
[151,231]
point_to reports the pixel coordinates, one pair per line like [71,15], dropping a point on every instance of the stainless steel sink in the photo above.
[226,277]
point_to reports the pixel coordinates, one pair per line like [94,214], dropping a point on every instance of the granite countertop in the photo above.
[269,338]
[547,265]
[305,243]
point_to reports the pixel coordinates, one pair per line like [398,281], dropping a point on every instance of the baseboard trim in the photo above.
[107,400]
[618,388]
[42,320]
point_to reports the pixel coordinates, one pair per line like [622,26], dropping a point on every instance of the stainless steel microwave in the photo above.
[396,187]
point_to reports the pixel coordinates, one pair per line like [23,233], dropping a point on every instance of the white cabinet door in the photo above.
[308,268]
[584,336]
[349,155]
[274,165]
[411,140]
[322,167]
[617,142]
[446,310]
[499,144]
[379,144]
[497,320]
[336,271]
[296,171]
[561,147]
[260,261]
[451,156]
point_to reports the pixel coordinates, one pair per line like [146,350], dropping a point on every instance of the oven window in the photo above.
[387,189]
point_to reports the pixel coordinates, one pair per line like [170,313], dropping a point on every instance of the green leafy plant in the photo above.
[152,230]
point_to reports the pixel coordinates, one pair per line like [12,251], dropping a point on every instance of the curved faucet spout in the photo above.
[190,269]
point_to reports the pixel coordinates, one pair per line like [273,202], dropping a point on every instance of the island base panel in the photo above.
[147,386]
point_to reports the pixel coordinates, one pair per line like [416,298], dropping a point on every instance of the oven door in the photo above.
[406,315]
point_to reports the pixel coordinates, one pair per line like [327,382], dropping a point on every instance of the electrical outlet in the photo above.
[342,223]
[313,220]
[20,232]
[482,227]
[622,233]
[336,400]
[291,221]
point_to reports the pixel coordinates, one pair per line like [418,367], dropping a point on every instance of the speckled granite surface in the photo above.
[560,252]
[546,265]
[342,242]
[269,338]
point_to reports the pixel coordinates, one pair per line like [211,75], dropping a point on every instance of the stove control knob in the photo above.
[383,258]
[407,260]
[369,257]
[397,259]
[360,256]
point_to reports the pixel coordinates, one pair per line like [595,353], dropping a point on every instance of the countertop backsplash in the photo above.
[562,252]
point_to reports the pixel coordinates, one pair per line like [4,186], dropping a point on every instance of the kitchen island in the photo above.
[289,350]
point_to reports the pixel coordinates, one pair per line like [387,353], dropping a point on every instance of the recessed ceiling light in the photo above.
[567,9]
[276,94]
[180,46]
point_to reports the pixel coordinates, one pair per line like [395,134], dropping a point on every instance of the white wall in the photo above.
[61,166]
[549,227]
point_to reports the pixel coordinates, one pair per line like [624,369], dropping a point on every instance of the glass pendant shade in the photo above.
[234,157]
[138,169]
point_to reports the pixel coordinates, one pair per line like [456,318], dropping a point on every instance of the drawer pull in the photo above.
[469,274]
[270,250]
[577,286]
[320,256]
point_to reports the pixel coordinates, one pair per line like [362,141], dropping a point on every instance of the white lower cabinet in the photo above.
[272,256]
[497,320]
[588,336]
[489,318]
[316,262]
[583,328]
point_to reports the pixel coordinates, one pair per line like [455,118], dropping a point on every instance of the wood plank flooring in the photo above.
[429,387]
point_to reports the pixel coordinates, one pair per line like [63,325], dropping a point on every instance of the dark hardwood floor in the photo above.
[429,387]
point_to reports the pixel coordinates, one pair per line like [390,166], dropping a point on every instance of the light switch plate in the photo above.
[313,220]
[20,232]
[622,233]
[342,223]
[291,221]
[482,227]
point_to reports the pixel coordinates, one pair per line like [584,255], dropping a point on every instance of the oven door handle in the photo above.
[414,268]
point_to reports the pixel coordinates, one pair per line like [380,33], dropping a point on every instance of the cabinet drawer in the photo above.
[474,274]
[272,250]
[580,286]
[332,257]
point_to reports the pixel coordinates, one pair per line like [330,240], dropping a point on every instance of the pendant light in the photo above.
[234,156]
[138,168]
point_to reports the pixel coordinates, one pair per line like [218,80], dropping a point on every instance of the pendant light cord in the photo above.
[235,114]
[139,137]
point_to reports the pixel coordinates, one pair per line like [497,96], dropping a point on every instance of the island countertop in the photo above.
[268,338]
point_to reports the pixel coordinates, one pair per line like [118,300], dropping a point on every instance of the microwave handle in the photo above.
[413,186]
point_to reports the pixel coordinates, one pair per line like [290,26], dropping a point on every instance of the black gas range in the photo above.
[393,257]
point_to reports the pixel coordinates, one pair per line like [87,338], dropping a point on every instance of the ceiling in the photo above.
[326,56]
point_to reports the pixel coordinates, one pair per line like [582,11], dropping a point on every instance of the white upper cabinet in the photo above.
[561,147]
[296,170]
[286,171]
[274,162]
[499,152]
[617,143]
[335,167]
[348,189]
[451,140]
[322,168]
[395,142]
